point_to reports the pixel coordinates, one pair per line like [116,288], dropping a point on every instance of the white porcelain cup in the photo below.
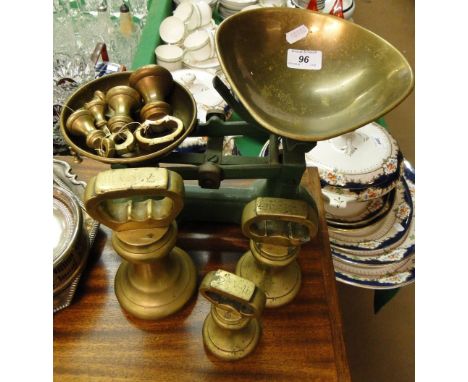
[169,57]
[172,30]
[189,13]
[184,11]
[198,45]
[206,13]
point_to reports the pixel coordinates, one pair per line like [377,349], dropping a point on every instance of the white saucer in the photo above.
[211,63]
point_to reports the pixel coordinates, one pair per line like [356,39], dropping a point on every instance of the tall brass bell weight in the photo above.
[140,205]
[277,228]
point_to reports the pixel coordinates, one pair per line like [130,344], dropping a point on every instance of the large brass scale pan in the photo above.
[362,77]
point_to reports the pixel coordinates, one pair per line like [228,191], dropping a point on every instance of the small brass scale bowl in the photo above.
[360,78]
[181,100]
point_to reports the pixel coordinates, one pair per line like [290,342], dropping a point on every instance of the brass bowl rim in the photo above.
[130,160]
[317,137]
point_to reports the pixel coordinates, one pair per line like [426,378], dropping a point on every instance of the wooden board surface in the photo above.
[94,340]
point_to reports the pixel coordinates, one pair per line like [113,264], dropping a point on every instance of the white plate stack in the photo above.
[211,3]
[230,7]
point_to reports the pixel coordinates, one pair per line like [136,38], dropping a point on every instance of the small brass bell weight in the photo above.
[140,205]
[81,122]
[232,329]
[276,227]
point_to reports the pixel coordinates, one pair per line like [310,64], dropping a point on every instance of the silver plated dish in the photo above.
[75,230]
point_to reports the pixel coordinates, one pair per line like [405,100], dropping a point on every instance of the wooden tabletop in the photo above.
[95,340]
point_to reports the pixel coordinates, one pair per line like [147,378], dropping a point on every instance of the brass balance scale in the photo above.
[359,78]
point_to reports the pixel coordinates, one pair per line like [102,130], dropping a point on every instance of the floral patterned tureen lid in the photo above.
[357,166]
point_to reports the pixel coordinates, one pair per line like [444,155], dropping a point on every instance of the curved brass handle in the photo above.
[135,198]
[226,289]
[279,221]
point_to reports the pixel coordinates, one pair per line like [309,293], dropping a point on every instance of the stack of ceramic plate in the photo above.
[230,7]
[368,189]
[211,3]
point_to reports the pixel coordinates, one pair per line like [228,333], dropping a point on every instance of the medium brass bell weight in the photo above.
[155,83]
[277,228]
[232,329]
[140,205]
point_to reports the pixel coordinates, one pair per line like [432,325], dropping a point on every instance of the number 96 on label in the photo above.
[304,59]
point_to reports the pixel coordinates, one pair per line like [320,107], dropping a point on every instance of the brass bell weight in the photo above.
[277,228]
[81,122]
[158,127]
[154,83]
[231,330]
[122,100]
[97,107]
[140,205]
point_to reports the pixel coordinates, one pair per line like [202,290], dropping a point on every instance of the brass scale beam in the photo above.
[277,175]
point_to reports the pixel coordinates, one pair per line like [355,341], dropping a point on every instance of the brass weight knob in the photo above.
[140,205]
[232,329]
[81,122]
[277,228]
[154,83]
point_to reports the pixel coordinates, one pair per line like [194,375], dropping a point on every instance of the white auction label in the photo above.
[304,59]
[297,34]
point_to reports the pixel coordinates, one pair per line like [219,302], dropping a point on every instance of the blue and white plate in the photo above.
[389,255]
[381,278]
[383,233]
[393,269]
[396,251]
